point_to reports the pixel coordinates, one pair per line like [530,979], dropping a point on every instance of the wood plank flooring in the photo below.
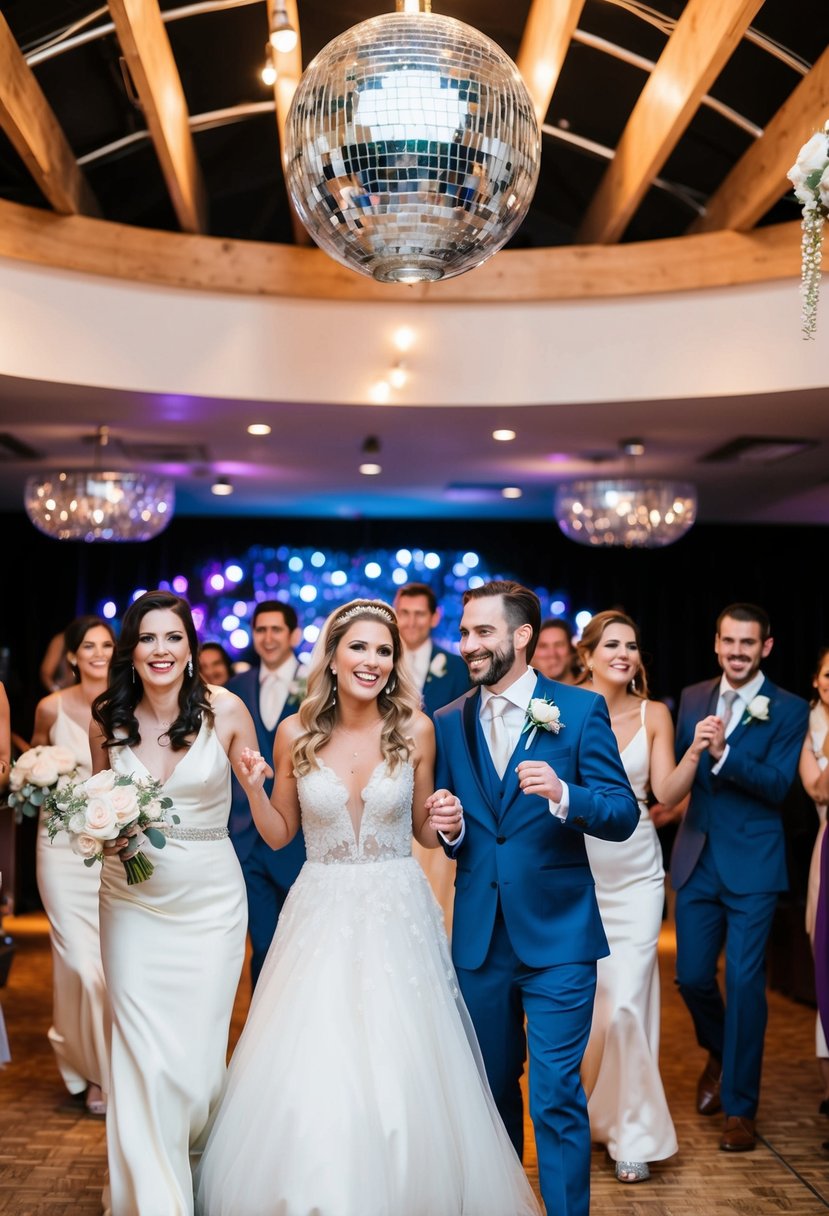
[52,1157]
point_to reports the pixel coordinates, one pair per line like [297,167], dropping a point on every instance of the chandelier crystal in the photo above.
[633,513]
[94,505]
[412,148]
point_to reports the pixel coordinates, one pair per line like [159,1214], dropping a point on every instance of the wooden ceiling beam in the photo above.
[288,66]
[547,34]
[703,41]
[152,66]
[758,179]
[30,124]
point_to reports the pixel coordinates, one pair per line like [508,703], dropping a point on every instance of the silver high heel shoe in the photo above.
[632,1171]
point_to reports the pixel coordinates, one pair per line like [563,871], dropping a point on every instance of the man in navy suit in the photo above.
[440,676]
[729,862]
[271,692]
[536,767]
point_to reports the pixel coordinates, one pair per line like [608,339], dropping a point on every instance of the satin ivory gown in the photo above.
[69,894]
[818,727]
[357,1088]
[173,948]
[625,1098]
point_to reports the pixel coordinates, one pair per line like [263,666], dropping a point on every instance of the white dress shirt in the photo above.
[417,663]
[274,688]
[745,696]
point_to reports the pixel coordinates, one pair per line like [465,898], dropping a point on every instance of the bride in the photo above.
[357,1088]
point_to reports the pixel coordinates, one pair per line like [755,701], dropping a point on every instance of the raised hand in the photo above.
[709,734]
[253,770]
[445,813]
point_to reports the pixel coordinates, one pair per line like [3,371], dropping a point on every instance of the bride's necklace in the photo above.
[354,734]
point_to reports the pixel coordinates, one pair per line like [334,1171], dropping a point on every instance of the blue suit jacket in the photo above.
[440,690]
[242,829]
[514,850]
[738,810]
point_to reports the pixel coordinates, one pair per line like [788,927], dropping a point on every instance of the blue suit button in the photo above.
[500,839]
[494,886]
[580,821]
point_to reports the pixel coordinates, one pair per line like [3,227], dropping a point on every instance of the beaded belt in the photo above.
[176,833]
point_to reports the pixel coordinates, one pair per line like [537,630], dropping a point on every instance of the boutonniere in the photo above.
[297,690]
[757,710]
[437,667]
[542,714]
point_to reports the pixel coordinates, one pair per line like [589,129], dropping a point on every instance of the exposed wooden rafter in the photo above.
[702,43]
[152,66]
[759,178]
[288,72]
[30,124]
[547,35]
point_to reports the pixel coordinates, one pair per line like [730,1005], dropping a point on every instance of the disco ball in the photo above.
[412,148]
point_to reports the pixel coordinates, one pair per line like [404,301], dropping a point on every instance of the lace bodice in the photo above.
[385,827]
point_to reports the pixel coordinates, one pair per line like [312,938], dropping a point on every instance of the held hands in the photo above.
[536,777]
[254,770]
[445,814]
[709,734]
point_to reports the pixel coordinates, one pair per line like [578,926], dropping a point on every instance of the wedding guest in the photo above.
[537,768]
[625,1099]
[55,672]
[173,945]
[358,1062]
[68,889]
[439,676]
[729,862]
[555,656]
[814,773]
[271,692]
[215,666]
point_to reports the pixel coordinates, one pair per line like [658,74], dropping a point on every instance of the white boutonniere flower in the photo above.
[297,690]
[757,710]
[542,714]
[437,667]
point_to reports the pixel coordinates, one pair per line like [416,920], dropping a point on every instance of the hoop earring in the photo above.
[190,668]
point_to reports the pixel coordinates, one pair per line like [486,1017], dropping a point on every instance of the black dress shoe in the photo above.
[708,1088]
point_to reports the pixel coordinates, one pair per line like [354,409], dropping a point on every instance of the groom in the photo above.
[536,767]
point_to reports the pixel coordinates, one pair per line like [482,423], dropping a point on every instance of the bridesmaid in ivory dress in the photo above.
[172,945]
[68,889]
[357,1088]
[620,1072]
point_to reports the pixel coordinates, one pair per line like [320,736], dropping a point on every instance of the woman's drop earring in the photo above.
[132,667]
[190,668]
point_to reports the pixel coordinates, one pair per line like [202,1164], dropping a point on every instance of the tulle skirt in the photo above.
[357,1088]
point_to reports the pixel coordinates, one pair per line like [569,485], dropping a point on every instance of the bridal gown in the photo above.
[817,735]
[625,1098]
[173,948]
[357,1088]
[69,894]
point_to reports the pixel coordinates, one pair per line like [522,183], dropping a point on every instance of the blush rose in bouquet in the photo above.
[106,807]
[37,773]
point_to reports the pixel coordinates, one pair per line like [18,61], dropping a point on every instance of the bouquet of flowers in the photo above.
[810,177]
[107,806]
[37,773]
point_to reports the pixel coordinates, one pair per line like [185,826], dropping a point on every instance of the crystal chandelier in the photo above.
[632,512]
[96,504]
[412,147]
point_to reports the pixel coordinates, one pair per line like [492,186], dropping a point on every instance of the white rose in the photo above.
[543,712]
[154,809]
[84,845]
[77,823]
[438,666]
[18,778]
[43,772]
[101,783]
[100,819]
[124,803]
[823,187]
[759,708]
[29,758]
[62,759]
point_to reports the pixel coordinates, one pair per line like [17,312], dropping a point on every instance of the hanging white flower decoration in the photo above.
[810,177]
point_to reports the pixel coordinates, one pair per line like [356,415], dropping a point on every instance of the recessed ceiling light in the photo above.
[404,338]
[398,375]
[259,428]
[370,470]
[511,492]
[503,436]
[380,392]
[221,486]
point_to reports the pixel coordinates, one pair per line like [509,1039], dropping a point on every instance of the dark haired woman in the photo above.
[68,889]
[626,1102]
[357,1088]
[172,945]
[215,666]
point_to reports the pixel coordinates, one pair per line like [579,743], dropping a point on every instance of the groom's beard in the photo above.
[500,664]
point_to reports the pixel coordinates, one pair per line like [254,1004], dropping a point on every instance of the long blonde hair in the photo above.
[591,637]
[397,702]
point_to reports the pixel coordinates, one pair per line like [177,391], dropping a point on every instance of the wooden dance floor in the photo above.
[52,1157]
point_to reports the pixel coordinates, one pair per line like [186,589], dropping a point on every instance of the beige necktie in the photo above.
[499,745]
[728,698]
[271,700]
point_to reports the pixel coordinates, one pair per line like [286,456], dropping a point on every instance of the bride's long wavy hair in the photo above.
[114,709]
[397,702]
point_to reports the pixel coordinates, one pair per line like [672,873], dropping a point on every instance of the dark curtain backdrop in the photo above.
[675,594]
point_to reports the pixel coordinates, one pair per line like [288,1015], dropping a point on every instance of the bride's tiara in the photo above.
[361,609]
